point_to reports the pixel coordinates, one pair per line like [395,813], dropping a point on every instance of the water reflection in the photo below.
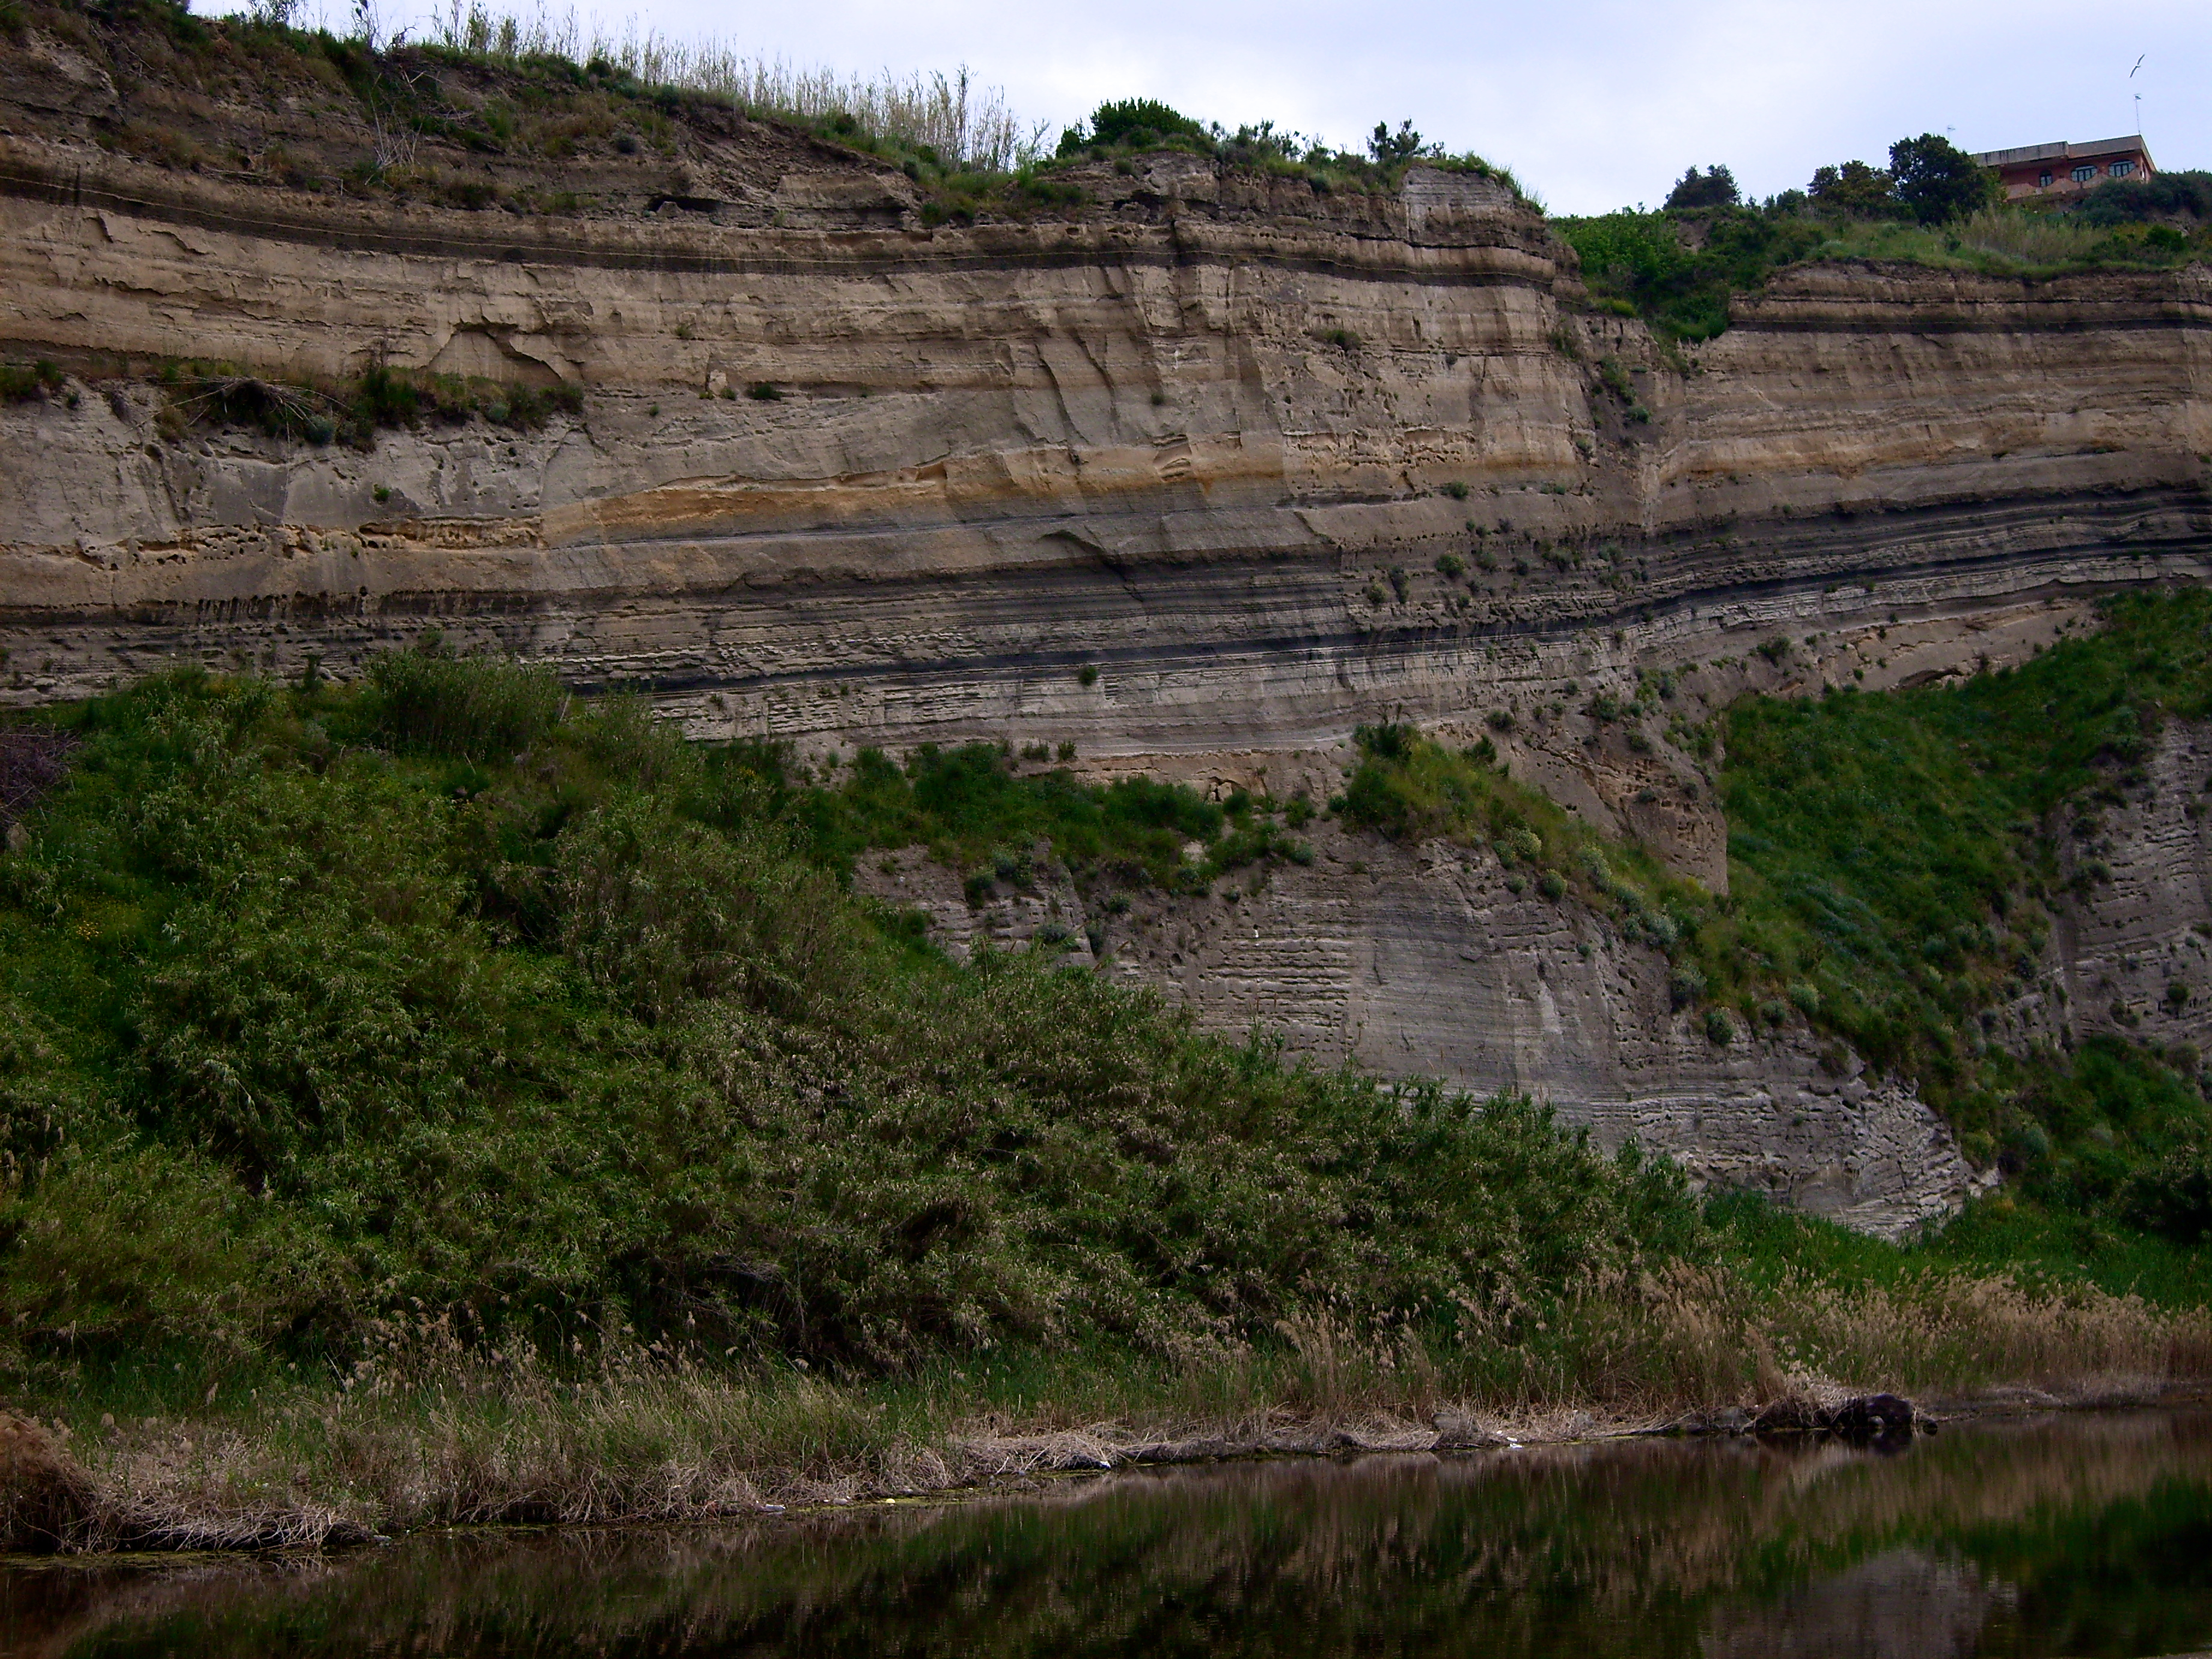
[1902,1604]
[2080,1535]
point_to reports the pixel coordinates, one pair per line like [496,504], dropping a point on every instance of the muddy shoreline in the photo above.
[55,1506]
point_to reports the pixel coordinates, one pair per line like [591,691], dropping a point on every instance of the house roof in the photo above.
[2063,151]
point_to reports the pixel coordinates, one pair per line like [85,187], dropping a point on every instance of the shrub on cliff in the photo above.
[1646,261]
[21,382]
[2174,1196]
[1134,123]
[2183,195]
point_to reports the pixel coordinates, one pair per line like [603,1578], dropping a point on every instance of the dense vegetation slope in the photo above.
[442,991]
[439,990]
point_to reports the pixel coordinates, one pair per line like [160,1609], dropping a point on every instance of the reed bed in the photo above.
[431,1430]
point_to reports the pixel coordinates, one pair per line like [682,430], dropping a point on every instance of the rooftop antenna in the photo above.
[2132,76]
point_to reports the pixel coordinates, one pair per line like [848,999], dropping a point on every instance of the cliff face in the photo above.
[1423,963]
[1213,436]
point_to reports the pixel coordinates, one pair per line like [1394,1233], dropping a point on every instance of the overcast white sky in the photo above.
[1594,103]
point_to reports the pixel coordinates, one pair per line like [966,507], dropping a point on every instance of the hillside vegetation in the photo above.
[1678,266]
[436,1099]
[323,1001]
[1678,270]
[1896,863]
[440,987]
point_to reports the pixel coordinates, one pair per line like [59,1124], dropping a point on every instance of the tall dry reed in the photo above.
[971,128]
[431,1428]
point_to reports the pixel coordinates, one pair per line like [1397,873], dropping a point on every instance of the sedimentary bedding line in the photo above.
[362,238]
[1319,644]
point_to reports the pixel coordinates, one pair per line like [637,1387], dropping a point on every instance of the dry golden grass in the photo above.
[429,1432]
[969,125]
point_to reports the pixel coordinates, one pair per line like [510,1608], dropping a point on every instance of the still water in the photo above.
[2081,1535]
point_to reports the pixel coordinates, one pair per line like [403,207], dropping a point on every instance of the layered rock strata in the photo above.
[1427,963]
[1196,474]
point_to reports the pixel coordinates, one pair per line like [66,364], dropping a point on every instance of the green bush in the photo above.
[1133,124]
[469,708]
[21,382]
[965,803]
[138,1244]
[2173,1197]
[1686,986]
[2182,194]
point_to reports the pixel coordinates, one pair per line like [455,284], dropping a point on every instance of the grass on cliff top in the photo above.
[1679,272]
[422,120]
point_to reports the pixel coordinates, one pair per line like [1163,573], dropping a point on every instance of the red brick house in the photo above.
[2065,169]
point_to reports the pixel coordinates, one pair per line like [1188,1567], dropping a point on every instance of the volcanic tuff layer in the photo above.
[1270,462]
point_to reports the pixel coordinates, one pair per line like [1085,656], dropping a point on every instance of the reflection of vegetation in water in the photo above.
[2097,1528]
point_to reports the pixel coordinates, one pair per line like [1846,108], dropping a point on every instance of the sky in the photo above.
[1595,104]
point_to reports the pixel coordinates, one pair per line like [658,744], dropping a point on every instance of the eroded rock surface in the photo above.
[1425,963]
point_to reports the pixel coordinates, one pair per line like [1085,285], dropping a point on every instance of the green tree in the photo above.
[1854,188]
[1391,148]
[1715,187]
[1936,181]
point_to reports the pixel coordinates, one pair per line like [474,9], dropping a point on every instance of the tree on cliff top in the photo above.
[1389,149]
[1854,188]
[1929,180]
[1936,181]
[1713,188]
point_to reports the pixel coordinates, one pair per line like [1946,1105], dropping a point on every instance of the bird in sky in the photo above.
[2139,63]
